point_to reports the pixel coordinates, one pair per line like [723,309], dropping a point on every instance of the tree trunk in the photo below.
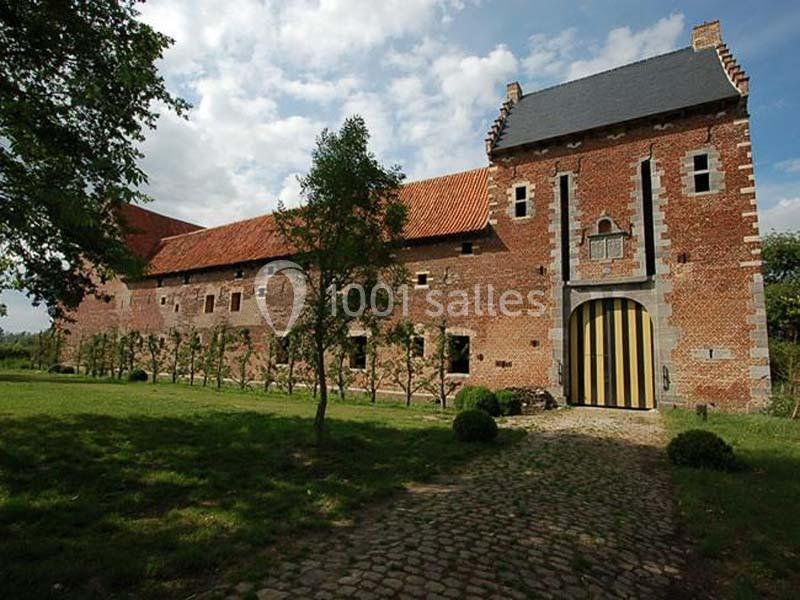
[322,405]
[191,369]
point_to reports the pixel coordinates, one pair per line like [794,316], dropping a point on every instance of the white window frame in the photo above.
[523,202]
[706,171]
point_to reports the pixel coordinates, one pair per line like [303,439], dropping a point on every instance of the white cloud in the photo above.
[791,165]
[22,315]
[783,216]
[553,57]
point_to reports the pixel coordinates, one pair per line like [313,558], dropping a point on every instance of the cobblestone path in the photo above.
[580,508]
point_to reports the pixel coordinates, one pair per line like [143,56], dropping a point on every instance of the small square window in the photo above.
[466,249]
[239,274]
[209,307]
[358,352]
[702,182]
[236,301]
[701,162]
[422,279]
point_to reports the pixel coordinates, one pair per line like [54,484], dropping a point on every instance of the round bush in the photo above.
[67,370]
[477,397]
[137,375]
[701,449]
[509,402]
[474,426]
[55,368]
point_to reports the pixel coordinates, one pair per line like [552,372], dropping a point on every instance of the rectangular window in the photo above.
[422,280]
[177,307]
[282,351]
[459,354]
[702,175]
[209,308]
[358,352]
[466,249]
[236,301]
[521,202]
[163,300]
[603,247]
[187,278]
[239,274]
[418,347]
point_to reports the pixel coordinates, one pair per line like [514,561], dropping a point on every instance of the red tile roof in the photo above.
[448,205]
[145,229]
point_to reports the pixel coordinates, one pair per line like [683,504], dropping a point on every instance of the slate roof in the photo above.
[665,83]
[448,205]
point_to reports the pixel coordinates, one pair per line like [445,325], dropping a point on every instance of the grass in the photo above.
[747,523]
[159,491]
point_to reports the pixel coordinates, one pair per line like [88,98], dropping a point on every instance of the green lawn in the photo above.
[747,523]
[154,491]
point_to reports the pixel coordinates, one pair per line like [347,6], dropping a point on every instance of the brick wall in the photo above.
[706,299]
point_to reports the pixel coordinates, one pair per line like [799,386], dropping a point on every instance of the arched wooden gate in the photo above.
[611,354]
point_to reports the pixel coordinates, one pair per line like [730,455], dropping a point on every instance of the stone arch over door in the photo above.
[611,354]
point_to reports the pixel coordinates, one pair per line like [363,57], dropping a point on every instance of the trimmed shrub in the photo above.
[477,397]
[474,425]
[67,370]
[137,375]
[509,402]
[54,369]
[701,449]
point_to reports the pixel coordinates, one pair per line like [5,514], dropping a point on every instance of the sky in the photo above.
[264,78]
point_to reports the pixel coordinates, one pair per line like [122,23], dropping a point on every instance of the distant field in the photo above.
[747,523]
[143,490]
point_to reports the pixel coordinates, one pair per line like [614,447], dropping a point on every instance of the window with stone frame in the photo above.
[358,352]
[209,305]
[701,173]
[520,201]
[607,242]
[236,301]
[458,354]
[282,350]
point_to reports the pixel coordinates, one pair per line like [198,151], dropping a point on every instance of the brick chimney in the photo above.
[707,35]
[513,92]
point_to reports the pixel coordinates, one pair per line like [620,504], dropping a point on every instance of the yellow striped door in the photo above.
[611,355]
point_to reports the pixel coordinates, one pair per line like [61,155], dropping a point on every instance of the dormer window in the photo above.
[239,274]
[422,279]
[701,173]
[520,201]
[186,278]
[467,249]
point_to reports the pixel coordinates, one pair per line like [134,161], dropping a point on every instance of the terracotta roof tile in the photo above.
[145,229]
[447,205]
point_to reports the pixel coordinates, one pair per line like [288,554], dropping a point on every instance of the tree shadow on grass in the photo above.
[156,506]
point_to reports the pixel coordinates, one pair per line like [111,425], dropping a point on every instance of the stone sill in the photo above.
[602,282]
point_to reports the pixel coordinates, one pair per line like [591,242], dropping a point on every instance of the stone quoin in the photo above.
[624,200]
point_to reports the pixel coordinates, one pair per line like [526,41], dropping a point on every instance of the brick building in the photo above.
[622,206]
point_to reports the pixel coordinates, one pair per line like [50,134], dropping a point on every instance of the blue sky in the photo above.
[428,76]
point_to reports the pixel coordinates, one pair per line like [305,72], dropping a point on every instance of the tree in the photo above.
[176,337]
[78,88]
[224,337]
[245,353]
[154,347]
[209,356]
[343,233]
[407,371]
[781,256]
[440,385]
[135,344]
[268,367]
[195,348]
